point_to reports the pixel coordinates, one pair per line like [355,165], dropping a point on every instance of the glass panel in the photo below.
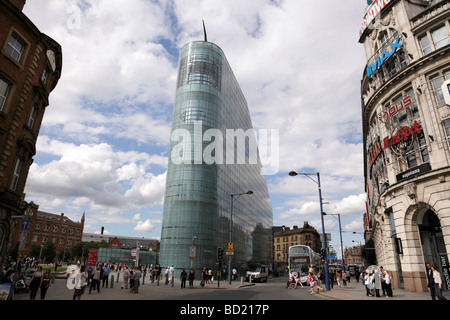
[425,44]
[440,37]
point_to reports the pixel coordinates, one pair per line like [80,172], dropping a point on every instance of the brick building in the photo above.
[44,226]
[30,68]
[285,237]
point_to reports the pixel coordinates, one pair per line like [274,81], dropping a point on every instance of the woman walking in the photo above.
[437,283]
[45,283]
[388,286]
[35,282]
[191,277]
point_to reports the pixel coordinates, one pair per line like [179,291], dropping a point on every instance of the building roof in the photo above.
[283,230]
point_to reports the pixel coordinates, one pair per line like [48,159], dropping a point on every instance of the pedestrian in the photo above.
[183,278]
[95,279]
[344,278]
[126,277]
[338,278]
[171,274]
[158,273]
[204,276]
[80,283]
[191,277]
[367,283]
[437,283]
[166,274]
[45,283]
[131,279]
[332,277]
[387,284]
[357,274]
[234,274]
[106,270]
[376,283]
[209,275]
[35,282]
[431,283]
[137,276]
[383,280]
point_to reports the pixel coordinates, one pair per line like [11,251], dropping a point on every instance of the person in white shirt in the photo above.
[437,283]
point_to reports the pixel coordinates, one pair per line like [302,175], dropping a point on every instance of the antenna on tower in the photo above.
[204,31]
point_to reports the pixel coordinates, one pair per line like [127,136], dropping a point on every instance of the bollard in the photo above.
[112,281]
[118,276]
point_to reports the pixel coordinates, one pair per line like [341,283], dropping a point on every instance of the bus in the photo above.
[301,259]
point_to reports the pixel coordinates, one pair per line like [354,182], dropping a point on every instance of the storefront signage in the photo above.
[372,12]
[403,134]
[374,151]
[384,56]
[414,172]
[445,270]
[393,110]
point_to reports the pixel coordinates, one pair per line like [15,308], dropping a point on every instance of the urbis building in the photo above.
[215,190]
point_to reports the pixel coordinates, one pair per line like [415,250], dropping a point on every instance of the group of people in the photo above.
[312,279]
[39,280]
[434,282]
[375,280]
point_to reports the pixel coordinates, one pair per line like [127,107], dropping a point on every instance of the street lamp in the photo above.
[293,174]
[231,226]
[340,232]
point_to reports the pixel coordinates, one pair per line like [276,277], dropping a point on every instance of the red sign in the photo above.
[402,134]
[374,151]
[92,257]
[388,114]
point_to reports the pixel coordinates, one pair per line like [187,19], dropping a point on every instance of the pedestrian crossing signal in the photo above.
[219,254]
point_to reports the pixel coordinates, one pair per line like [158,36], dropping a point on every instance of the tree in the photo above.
[49,251]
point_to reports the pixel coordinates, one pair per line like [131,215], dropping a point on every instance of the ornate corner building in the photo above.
[30,68]
[406,133]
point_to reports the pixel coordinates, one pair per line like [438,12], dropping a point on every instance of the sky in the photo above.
[104,141]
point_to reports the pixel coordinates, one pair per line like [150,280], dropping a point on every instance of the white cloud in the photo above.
[105,135]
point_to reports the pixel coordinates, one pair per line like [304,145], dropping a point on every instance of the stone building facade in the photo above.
[30,68]
[406,132]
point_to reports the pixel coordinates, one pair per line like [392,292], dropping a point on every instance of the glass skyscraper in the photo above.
[209,160]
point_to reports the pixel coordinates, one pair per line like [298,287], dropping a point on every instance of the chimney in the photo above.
[18,3]
[103,228]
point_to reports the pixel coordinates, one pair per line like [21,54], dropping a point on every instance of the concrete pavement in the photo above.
[357,291]
[147,290]
[151,291]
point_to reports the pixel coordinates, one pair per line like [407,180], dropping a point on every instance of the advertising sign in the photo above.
[92,257]
[414,171]
[445,269]
[372,12]
[384,56]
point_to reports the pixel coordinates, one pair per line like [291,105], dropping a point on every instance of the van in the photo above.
[257,273]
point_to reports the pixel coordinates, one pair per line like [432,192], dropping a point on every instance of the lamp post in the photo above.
[231,226]
[293,174]
[340,232]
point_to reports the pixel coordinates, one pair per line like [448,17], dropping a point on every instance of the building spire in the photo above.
[204,31]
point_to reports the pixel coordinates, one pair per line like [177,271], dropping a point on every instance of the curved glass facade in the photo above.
[205,169]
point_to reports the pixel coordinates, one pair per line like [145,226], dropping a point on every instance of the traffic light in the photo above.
[323,254]
[219,254]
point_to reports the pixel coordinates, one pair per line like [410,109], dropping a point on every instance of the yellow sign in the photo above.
[230,245]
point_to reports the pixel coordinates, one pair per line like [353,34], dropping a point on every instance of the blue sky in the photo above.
[103,144]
